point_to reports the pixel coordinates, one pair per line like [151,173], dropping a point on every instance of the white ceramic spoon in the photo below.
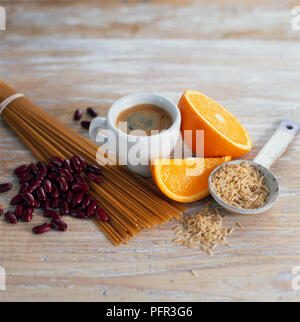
[273,149]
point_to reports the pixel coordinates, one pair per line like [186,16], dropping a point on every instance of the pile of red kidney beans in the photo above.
[59,188]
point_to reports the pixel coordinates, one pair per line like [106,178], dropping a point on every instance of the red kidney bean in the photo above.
[27,214]
[49,213]
[26,177]
[85,124]
[59,224]
[16,199]
[52,167]
[91,208]
[55,203]
[23,188]
[47,185]
[55,193]
[1,211]
[33,185]
[86,201]
[41,165]
[5,187]
[82,162]
[11,218]
[76,164]
[41,229]
[41,194]
[21,169]
[46,204]
[78,197]
[101,214]
[22,174]
[80,187]
[41,174]
[64,207]
[94,177]
[66,174]
[63,184]
[57,161]
[77,213]
[52,176]
[77,115]
[29,199]
[79,178]
[91,111]
[37,204]
[93,168]
[19,211]
[69,196]
[67,165]
[33,169]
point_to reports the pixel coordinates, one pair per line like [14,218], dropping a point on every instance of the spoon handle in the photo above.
[278,143]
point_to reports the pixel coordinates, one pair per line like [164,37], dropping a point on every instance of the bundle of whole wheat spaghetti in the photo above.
[132,202]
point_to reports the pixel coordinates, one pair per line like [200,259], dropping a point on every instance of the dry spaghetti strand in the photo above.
[132,202]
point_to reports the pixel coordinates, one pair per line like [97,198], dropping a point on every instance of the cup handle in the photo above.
[278,143]
[96,124]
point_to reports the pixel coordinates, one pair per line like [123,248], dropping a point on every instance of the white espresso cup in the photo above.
[137,152]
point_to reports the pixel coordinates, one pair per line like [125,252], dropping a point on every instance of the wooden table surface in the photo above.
[71,54]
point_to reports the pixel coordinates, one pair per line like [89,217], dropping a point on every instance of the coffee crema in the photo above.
[142,119]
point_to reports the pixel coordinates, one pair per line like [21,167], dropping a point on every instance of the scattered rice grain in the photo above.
[240,225]
[194,273]
[231,230]
[159,243]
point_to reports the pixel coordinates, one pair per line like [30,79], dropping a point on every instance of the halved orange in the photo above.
[223,133]
[185,180]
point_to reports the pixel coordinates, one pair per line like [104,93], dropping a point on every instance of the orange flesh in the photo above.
[223,121]
[185,180]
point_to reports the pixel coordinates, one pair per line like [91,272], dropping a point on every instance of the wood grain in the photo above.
[70,54]
[267,19]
